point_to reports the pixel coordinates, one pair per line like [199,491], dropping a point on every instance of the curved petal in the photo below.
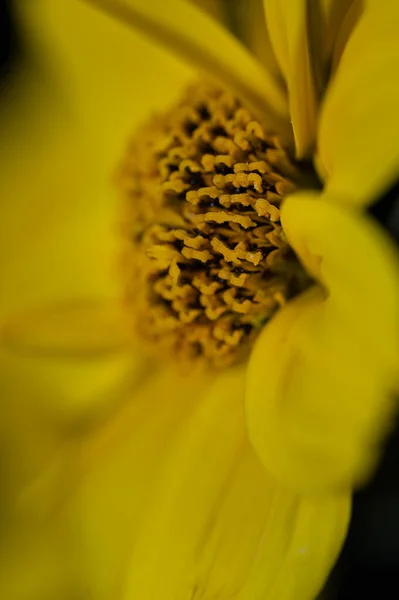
[78,356]
[174,503]
[57,240]
[358,150]
[288,29]
[197,38]
[322,379]
[303,36]
[78,328]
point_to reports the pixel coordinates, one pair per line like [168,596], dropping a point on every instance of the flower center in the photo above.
[207,260]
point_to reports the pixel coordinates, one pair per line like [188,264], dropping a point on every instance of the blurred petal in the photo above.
[80,354]
[80,327]
[57,243]
[39,447]
[197,38]
[34,566]
[57,226]
[58,209]
[258,38]
[330,24]
[358,154]
[322,378]
[174,503]
[70,392]
[112,76]
[216,8]
[342,17]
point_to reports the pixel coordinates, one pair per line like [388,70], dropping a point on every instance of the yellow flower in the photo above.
[228,485]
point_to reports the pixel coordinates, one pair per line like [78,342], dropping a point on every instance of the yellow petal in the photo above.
[71,365]
[41,558]
[331,23]
[112,76]
[358,153]
[173,502]
[215,8]
[80,327]
[342,18]
[57,225]
[40,435]
[303,36]
[197,38]
[77,354]
[58,234]
[288,30]
[322,378]
[258,39]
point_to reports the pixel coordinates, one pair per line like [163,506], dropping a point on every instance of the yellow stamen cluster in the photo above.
[207,261]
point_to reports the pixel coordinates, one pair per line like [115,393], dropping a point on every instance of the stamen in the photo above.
[207,260]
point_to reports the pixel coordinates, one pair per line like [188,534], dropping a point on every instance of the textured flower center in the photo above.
[207,262]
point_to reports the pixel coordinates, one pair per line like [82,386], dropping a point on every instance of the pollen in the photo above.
[206,262]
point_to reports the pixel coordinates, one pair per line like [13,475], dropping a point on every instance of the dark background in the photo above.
[369,563]
[10,46]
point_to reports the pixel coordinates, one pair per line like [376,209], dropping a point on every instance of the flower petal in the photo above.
[57,241]
[358,150]
[41,558]
[79,327]
[57,225]
[342,18]
[45,413]
[331,23]
[99,65]
[303,36]
[322,379]
[253,22]
[175,503]
[215,8]
[288,30]
[196,37]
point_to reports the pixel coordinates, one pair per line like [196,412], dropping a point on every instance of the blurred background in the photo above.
[369,562]
[10,45]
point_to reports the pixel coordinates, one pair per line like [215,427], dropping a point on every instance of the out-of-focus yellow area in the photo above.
[63,128]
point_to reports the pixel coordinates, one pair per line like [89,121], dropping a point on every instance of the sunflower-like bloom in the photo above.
[128,478]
